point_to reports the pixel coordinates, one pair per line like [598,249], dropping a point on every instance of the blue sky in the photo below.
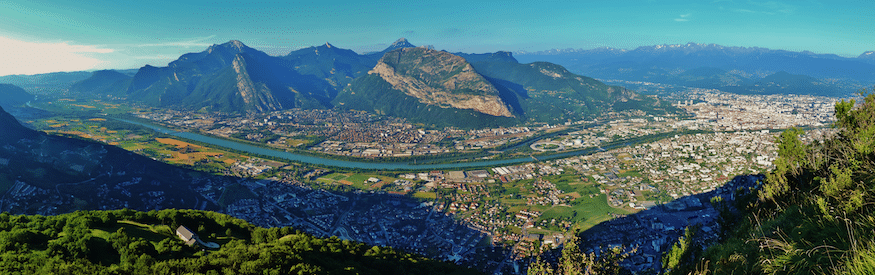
[44,36]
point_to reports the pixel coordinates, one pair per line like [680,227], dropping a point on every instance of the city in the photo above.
[421,137]
[458,214]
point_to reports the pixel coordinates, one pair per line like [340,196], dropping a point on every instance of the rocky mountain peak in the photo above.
[236,44]
[440,78]
[401,42]
[504,55]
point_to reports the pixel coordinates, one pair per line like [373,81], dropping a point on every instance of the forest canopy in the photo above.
[133,242]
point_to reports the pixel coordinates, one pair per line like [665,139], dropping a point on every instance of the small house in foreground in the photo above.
[186,235]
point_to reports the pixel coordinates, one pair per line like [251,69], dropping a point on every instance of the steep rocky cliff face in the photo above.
[255,95]
[440,78]
[230,77]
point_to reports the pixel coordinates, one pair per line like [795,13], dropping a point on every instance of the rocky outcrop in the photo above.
[256,95]
[440,78]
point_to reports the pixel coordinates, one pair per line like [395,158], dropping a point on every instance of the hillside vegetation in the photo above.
[132,242]
[812,215]
[11,95]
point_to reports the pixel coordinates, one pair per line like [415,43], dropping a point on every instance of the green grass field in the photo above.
[573,183]
[518,187]
[325,180]
[152,233]
[425,195]
[336,176]
[359,178]
[515,230]
[101,233]
[540,231]
[146,229]
[631,173]
[585,210]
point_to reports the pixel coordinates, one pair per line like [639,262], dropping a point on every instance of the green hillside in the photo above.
[548,92]
[132,242]
[336,66]
[103,82]
[12,129]
[786,83]
[814,214]
[11,96]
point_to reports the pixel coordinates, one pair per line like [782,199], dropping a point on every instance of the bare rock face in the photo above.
[440,78]
[253,94]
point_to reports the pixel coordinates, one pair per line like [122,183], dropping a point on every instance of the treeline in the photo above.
[133,242]
[813,214]
[574,261]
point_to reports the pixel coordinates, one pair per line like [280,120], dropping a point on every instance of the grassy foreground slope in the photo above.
[133,242]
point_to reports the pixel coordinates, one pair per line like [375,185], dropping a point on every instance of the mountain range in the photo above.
[439,88]
[418,83]
[735,69]
[45,83]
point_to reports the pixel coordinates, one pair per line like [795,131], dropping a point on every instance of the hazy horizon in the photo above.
[55,36]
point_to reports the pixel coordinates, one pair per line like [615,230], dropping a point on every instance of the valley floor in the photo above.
[488,218]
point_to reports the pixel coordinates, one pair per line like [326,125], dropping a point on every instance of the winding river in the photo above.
[356,164]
